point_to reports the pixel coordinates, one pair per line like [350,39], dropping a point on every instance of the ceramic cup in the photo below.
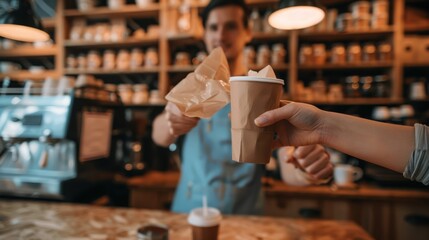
[346,175]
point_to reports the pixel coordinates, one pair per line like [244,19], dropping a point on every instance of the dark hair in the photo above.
[220,3]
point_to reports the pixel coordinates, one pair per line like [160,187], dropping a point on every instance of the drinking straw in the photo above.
[205,211]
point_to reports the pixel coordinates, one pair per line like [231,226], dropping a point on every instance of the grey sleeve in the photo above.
[417,168]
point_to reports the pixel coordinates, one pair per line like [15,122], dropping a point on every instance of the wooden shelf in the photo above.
[181,69]
[144,105]
[417,28]
[353,36]
[49,23]
[28,51]
[27,75]
[417,65]
[362,65]
[112,72]
[250,3]
[361,101]
[131,42]
[184,37]
[280,67]
[105,12]
[262,36]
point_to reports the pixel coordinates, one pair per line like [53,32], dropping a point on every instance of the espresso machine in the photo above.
[40,148]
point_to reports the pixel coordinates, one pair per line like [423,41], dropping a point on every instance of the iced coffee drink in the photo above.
[205,223]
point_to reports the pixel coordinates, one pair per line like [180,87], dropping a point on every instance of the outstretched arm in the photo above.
[387,145]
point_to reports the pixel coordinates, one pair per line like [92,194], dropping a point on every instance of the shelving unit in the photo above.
[169,43]
[28,51]
[127,43]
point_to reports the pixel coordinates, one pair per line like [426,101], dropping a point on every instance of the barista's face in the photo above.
[224,28]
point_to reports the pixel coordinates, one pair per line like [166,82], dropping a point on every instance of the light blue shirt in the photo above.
[207,168]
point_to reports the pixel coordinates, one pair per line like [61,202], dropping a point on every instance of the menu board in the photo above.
[95,135]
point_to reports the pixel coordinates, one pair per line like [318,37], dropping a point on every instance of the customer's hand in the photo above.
[178,124]
[298,124]
[314,160]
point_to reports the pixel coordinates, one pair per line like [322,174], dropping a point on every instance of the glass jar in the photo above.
[109,60]
[352,88]
[255,21]
[94,59]
[360,8]
[111,89]
[344,22]
[81,61]
[338,54]
[123,59]
[71,61]
[155,97]
[278,54]
[385,51]
[379,21]
[382,86]
[367,87]
[184,21]
[151,58]
[141,94]
[369,53]
[137,58]
[249,56]
[306,54]
[199,58]
[182,59]
[266,27]
[319,54]
[125,92]
[264,55]
[362,23]
[354,53]
[115,4]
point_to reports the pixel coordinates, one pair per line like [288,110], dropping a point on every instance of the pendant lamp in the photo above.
[18,22]
[296,14]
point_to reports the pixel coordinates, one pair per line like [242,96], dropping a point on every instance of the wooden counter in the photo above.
[36,220]
[386,213]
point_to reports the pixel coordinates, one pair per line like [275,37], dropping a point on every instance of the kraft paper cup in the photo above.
[205,226]
[250,97]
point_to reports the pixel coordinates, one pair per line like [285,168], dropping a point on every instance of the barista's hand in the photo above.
[314,160]
[178,124]
[298,124]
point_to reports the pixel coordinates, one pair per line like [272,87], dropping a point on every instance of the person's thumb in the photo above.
[270,117]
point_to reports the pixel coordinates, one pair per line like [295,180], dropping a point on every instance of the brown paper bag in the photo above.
[206,90]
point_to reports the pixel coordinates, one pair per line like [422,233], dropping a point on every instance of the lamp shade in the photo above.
[21,24]
[296,14]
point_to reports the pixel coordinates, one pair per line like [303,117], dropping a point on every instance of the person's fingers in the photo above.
[318,165]
[179,128]
[273,116]
[307,155]
[303,151]
[325,173]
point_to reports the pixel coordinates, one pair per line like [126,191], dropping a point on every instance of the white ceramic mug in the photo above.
[345,175]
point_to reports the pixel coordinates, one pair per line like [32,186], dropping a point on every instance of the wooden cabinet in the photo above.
[391,214]
[411,219]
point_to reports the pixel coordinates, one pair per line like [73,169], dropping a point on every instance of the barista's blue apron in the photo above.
[207,168]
